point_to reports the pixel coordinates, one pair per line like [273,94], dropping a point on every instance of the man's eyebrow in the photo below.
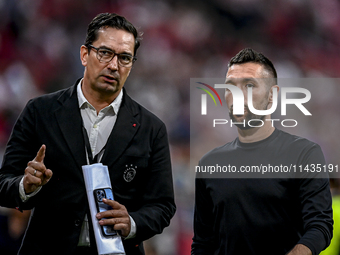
[243,80]
[250,79]
[107,48]
[229,81]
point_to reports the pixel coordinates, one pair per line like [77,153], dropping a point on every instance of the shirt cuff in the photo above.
[133,229]
[23,195]
[315,240]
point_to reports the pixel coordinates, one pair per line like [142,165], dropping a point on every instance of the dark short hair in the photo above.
[111,20]
[248,55]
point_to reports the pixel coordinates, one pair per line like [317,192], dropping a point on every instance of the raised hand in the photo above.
[36,174]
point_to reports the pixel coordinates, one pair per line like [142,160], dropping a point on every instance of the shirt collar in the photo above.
[82,99]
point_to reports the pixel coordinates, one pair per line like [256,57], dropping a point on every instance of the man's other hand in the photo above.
[118,216]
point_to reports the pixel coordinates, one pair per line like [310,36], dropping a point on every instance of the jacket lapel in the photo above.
[70,123]
[124,130]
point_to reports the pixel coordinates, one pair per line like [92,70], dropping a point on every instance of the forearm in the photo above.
[316,202]
[300,249]
[316,214]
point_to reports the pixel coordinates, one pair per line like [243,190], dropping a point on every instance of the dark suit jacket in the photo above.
[138,140]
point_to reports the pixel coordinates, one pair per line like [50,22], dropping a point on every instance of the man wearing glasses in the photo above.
[93,121]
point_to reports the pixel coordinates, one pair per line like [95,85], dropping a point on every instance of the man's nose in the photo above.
[113,64]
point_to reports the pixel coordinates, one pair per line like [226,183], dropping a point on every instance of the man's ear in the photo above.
[276,87]
[84,55]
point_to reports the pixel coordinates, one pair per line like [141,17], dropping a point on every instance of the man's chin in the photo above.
[240,122]
[108,86]
[243,127]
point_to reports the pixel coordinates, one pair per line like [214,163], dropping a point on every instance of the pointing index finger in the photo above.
[41,154]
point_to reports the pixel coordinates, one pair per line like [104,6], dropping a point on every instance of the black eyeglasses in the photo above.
[105,55]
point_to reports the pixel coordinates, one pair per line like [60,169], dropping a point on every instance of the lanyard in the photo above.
[92,160]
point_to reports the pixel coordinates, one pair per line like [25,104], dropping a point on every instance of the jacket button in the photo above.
[77,223]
